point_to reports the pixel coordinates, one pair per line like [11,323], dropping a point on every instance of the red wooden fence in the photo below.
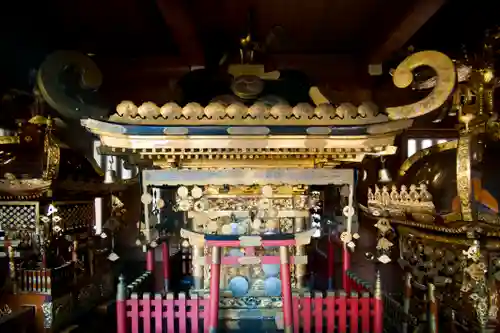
[166,314]
[335,312]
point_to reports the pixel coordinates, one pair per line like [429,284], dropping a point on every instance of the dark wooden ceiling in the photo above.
[187,27]
[147,42]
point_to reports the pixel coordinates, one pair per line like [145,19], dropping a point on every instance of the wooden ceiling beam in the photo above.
[418,15]
[183,29]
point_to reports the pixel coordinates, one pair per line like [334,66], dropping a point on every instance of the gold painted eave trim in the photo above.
[312,143]
[9,140]
[491,244]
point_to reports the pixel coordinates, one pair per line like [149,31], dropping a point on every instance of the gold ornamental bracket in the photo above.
[445,83]
[52,152]
[464,177]
[9,139]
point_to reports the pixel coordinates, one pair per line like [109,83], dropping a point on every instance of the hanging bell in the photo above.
[384,176]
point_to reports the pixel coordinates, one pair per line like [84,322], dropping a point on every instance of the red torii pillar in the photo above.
[286,289]
[346,266]
[214,289]
[150,260]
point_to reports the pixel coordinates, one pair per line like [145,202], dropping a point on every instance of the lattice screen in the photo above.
[76,216]
[18,217]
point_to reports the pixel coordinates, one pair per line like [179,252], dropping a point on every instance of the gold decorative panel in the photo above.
[244,210]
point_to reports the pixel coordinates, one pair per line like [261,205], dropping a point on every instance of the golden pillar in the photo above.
[196,256]
[300,269]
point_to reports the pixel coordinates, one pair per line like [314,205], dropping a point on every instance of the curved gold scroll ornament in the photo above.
[464,184]
[403,77]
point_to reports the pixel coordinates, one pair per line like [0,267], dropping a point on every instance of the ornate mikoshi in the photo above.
[446,218]
[251,168]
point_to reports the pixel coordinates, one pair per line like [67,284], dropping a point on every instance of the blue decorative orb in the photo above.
[238,286]
[272,287]
[271,269]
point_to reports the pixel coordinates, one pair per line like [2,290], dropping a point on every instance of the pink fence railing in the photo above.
[333,312]
[336,312]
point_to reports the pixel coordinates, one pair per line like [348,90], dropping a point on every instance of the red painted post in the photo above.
[319,304]
[346,265]
[342,312]
[135,314]
[169,312]
[378,307]
[182,313]
[306,313]
[331,263]
[145,302]
[329,302]
[195,312]
[297,313]
[364,311]
[353,312]
[286,289]
[158,313]
[121,306]
[214,290]
[165,263]
[150,259]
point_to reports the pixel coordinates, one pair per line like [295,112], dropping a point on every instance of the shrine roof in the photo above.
[247,139]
